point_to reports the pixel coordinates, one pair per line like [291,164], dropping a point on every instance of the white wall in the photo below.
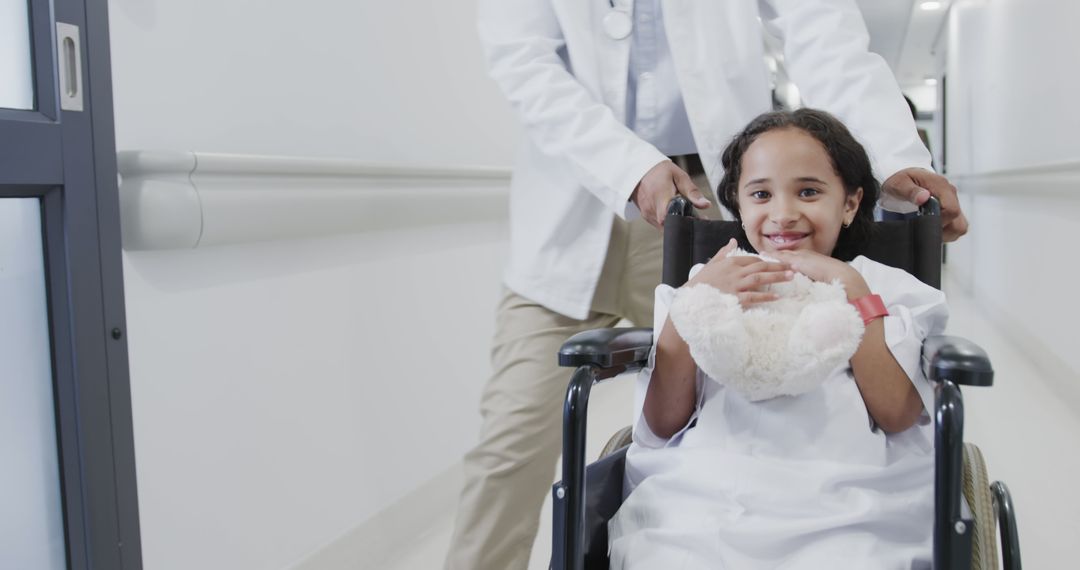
[1012,95]
[287,392]
[1012,120]
[1011,125]
[399,82]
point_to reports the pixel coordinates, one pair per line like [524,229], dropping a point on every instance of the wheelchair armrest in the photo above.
[956,359]
[606,348]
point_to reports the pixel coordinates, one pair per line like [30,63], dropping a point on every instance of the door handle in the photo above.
[69,52]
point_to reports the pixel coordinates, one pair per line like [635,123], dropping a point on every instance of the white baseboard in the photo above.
[383,537]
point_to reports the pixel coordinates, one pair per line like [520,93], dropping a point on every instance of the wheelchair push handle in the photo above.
[931,207]
[680,206]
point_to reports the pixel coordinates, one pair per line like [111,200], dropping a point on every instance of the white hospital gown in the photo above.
[805,482]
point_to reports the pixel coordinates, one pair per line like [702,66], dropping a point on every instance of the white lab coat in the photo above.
[579,164]
[801,482]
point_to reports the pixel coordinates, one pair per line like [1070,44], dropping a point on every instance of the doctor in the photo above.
[615,95]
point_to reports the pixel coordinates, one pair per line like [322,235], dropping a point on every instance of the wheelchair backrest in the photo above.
[912,244]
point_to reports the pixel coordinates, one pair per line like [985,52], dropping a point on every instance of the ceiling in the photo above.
[904,34]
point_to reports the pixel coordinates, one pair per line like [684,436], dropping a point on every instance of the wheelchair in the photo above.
[967,507]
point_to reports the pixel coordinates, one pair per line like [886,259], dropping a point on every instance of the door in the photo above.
[67,485]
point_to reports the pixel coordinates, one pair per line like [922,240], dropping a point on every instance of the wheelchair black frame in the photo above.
[949,361]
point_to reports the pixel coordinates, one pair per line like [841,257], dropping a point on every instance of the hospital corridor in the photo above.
[317,285]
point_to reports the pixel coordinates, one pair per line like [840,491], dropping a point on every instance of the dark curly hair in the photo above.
[849,160]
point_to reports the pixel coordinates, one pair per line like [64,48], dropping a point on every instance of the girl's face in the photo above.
[790,197]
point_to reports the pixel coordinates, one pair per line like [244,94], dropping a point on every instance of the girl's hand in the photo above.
[824,268]
[742,276]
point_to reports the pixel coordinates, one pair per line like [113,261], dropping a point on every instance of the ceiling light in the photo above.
[930,5]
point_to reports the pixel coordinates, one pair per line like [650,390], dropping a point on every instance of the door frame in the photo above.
[67,160]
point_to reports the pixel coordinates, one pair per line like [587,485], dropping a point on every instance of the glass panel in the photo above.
[16,72]
[31,522]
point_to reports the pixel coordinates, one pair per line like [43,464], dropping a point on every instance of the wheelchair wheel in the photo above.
[977,492]
[621,439]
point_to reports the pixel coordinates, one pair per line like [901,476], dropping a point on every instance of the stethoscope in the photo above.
[617,22]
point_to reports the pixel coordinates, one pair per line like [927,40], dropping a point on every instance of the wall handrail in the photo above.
[1055,179]
[185,200]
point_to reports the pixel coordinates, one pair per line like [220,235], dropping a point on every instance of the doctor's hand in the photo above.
[659,186]
[916,185]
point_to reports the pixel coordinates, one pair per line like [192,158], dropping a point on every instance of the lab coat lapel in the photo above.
[687,24]
[598,62]
[683,21]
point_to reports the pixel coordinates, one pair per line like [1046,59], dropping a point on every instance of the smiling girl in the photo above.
[838,477]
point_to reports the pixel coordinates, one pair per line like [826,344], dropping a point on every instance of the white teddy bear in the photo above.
[785,347]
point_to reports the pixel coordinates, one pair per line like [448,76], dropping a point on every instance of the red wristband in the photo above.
[870,307]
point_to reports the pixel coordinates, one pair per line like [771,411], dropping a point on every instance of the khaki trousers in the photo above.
[509,472]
